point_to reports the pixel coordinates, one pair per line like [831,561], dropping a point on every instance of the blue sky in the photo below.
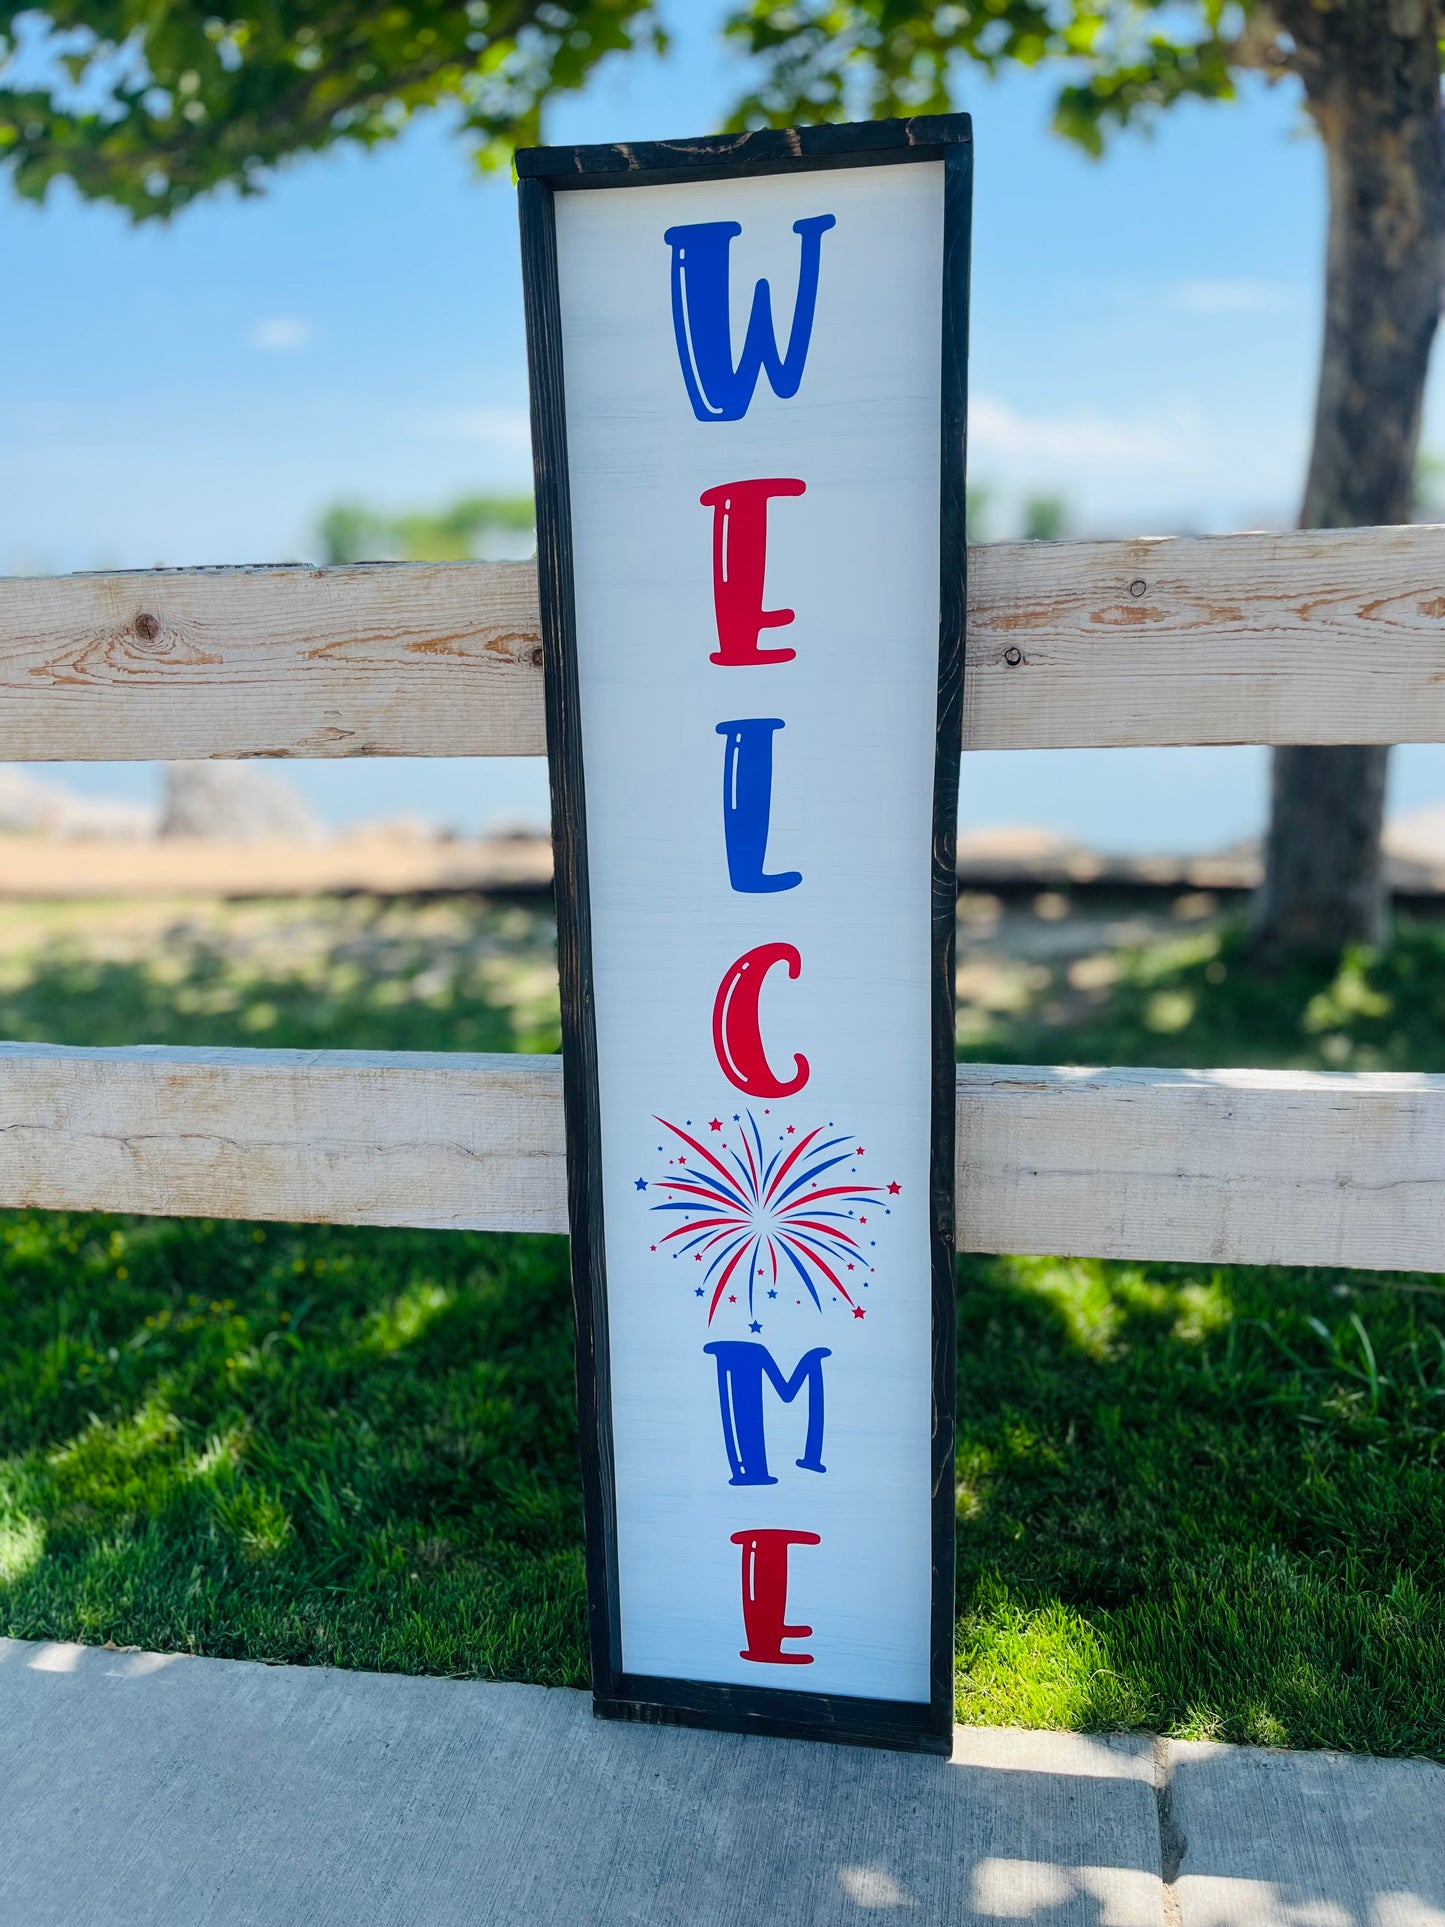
[1145,332]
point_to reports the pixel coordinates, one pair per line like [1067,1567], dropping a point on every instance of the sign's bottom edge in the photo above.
[901,1727]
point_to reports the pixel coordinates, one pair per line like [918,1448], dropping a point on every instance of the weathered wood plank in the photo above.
[385,659]
[1246,1167]
[1307,637]
[1241,1167]
[346,1137]
[1320,637]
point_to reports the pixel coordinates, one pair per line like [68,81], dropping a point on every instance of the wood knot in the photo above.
[147,628]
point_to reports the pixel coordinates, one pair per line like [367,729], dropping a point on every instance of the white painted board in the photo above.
[686,1150]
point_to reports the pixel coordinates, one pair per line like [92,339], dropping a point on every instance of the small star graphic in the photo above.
[894,1189]
[858,1312]
[791,1129]
[697,1257]
[652,1247]
[850,1267]
[735,1117]
[698,1292]
[715,1124]
[755,1326]
[772,1294]
[862,1221]
[732,1298]
[642,1184]
[859,1152]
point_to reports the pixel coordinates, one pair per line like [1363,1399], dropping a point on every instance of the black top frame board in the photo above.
[544,173]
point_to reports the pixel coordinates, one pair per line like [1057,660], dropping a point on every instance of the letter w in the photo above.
[719,390]
[741,1369]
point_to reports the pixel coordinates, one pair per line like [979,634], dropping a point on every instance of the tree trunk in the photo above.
[1371,70]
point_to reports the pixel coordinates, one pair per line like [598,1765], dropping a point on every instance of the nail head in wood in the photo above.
[1013,657]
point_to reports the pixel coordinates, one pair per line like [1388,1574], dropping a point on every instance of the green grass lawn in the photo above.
[1201,1500]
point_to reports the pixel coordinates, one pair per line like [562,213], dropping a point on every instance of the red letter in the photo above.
[765,1595]
[739,564]
[735,1035]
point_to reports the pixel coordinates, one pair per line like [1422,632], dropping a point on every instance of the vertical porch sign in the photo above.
[747,361]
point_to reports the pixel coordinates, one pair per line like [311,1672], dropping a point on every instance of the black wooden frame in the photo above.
[542,173]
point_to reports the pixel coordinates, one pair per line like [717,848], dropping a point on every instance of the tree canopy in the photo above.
[483,526]
[865,59]
[149,103]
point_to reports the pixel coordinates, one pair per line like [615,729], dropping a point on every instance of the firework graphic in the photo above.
[762,1223]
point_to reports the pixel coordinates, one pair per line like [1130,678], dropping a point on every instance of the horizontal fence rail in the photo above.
[1249,1167]
[1314,637]
[342,1137]
[1335,637]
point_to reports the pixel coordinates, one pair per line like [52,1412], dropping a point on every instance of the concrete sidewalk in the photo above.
[142,1791]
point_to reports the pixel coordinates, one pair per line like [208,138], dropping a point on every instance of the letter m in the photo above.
[741,1369]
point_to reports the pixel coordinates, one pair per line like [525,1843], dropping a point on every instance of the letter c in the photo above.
[735,1034]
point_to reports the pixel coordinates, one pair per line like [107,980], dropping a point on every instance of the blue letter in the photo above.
[741,1368]
[718,391]
[747,803]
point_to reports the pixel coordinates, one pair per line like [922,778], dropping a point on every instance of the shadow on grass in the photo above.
[1204,1502]
[309,1444]
[1209,1501]
[1200,1502]
[331,973]
[1198,1002]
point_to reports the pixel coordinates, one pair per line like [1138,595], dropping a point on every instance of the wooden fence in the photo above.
[1307,638]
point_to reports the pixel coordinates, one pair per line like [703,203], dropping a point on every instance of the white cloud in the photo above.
[998,431]
[507,430]
[281,334]
[1163,465]
[1231,297]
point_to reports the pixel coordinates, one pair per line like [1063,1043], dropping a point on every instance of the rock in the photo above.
[233,802]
